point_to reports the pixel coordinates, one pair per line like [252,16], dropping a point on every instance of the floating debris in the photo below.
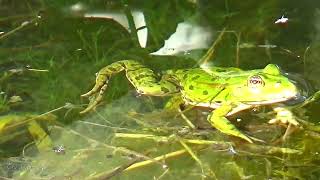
[188,36]
[59,149]
[282,21]
[15,99]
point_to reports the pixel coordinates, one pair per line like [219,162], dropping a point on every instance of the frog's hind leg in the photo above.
[142,78]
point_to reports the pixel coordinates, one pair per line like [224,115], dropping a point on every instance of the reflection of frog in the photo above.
[227,90]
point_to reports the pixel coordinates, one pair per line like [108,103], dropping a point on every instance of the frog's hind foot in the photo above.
[142,78]
[100,86]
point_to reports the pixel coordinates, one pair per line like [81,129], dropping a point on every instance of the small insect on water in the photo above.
[282,21]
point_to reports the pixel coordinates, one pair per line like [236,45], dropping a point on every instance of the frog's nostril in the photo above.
[277,85]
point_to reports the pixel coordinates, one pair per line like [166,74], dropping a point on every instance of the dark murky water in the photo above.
[51,50]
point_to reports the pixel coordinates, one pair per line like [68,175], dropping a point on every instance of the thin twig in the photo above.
[102,125]
[24,24]
[168,139]
[219,144]
[305,59]
[193,155]
[38,70]
[286,134]
[67,105]
[116,171]
[103,118]
[238,35]
[120,149]
[162,175]
[210,53]
[186,119]
[20,16]
[267,49]
[159,158]
[132,27]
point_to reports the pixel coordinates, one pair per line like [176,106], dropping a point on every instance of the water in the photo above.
[51,50]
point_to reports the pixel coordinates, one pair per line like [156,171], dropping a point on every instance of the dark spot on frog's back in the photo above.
[221,70]
[112,69]
[137,78]
[165,90]
[140,77]
[185,76]
[205,92]
[191,87]
[195,77]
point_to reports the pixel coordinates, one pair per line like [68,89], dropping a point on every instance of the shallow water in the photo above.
[51,50]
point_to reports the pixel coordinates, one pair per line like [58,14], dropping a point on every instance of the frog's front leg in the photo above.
[142,78]
[174,103]
[219,121]
[283,116]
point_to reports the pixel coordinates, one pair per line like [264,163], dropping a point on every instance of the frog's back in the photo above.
[198,86]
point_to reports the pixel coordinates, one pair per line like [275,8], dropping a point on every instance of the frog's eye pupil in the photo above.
[255,81]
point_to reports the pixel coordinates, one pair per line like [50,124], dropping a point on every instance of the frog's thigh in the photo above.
[219,121]
[147,83]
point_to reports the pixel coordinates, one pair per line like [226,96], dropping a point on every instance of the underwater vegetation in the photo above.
[246,76]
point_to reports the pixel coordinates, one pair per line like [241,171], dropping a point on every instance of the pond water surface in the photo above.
[51,50]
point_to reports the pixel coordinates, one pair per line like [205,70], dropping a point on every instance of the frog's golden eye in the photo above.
[255,81]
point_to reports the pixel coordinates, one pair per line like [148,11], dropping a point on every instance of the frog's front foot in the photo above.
[218,120]
[283,116]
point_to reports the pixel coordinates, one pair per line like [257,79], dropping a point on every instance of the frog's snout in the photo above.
[290,94]
[299,98]
[304,88]
[295,100]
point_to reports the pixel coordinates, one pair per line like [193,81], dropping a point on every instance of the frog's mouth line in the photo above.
[215,105]
[266,102]
[295,99]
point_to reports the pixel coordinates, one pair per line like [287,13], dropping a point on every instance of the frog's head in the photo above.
[266,87]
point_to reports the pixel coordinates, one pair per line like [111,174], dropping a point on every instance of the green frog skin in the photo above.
[225,90]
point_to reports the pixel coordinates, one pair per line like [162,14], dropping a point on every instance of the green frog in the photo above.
[226,90]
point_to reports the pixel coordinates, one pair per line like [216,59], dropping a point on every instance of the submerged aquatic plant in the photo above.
[4,105]
[113,142]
